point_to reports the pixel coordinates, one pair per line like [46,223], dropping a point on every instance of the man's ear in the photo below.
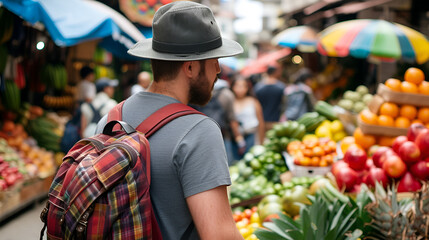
[190,68]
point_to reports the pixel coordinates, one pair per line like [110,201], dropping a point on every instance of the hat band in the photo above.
[186,48]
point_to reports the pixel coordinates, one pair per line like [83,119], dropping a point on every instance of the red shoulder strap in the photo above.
[158,119]
[163,116]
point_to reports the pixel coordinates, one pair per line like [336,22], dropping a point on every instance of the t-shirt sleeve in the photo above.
[201,160]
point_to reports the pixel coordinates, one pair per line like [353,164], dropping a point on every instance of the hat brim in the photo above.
[144,49]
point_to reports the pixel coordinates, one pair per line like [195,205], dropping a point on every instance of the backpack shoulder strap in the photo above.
[158,119]
[163,116]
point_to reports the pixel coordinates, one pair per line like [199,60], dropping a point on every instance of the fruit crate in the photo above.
[371,129]
[304,171]
[418,100]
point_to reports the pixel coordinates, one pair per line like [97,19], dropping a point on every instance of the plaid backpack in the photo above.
[101,190]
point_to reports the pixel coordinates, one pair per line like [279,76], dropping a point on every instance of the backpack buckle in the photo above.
[83,223]
[44,213]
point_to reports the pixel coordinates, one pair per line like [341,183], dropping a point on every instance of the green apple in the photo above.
[298,194]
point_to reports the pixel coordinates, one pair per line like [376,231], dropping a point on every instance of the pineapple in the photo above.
[420,214]
[323,219]
[405,219]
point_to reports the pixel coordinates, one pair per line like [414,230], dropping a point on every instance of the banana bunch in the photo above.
[58,102]
[12,96]
[3,57]
[6,26]
[54,76]
[43,131]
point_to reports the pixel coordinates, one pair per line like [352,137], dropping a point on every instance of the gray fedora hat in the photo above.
[185,31]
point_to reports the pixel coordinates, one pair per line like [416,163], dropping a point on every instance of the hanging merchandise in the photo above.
[6,28]
[3,57]
[54,76]
[12,96]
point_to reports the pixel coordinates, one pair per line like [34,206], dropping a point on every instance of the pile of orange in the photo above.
[313,152]
[414,82]
[393,115]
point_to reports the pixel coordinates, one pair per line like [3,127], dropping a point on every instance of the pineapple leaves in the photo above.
[268,235]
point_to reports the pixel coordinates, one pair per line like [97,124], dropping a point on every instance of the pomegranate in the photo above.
[356,158]
[414,130]
[394,166]
[409,152]
[399,140]
[420,170]
[408,183]
[422,142]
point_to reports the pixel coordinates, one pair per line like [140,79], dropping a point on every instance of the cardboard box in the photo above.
[370,129]
[375,104]
[418,100]
[304,171]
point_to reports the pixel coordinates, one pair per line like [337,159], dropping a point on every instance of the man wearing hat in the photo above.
[189,167]
[99,106]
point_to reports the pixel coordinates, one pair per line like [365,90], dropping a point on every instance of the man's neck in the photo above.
[271,80]
[171,89]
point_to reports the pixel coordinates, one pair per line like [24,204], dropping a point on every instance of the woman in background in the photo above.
[248,112]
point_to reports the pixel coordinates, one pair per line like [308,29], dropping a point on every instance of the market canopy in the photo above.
[364,38]
[302,38]
[74,21]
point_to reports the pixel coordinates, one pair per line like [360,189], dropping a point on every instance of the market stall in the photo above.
[42,47]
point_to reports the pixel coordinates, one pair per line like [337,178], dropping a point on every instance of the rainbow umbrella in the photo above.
[364,38]
[302,38]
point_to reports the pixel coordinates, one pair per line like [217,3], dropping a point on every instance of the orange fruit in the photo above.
[402,122]
[368,117]
[408,111]
[394,84]
[365,141]
[389,109]
[414,75]
[424,88]
[427,125]
[346,142]
[423,114]
[409,87]
[386,141]
[385,120]
[417,121]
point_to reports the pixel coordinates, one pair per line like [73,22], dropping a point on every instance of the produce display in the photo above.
[12,170]
[406,163]
[319,152]
[356,101]
[247,221]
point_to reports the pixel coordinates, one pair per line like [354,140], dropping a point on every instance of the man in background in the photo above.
[144,79]
[86,88]
[269,92]
[102,103]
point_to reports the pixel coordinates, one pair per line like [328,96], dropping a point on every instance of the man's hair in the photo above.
[85,71]
[271,70]
[167,70]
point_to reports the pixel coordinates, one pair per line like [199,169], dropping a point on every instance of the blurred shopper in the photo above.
[144,79]
[299,96]
[249,114]
[189,166]
[269,92]
[92,112]
[86,88]
[221,109]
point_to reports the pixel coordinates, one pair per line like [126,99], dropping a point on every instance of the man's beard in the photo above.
[200,90]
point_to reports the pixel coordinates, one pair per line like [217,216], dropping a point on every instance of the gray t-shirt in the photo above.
[187,157]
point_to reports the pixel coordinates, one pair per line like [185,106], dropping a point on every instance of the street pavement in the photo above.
[25,225]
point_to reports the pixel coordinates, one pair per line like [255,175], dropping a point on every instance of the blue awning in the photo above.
[74,21]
